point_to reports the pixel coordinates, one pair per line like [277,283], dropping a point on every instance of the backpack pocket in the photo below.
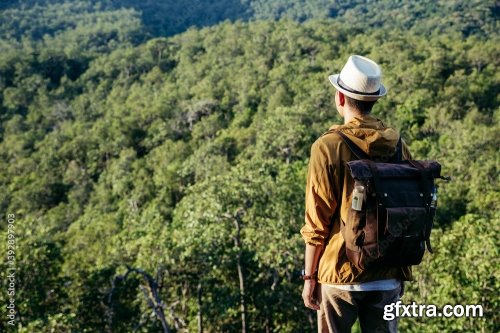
[403,240]
[360,230]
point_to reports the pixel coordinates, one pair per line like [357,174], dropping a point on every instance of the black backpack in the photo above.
[391,209]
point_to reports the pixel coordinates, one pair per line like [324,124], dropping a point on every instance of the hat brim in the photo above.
[334,80]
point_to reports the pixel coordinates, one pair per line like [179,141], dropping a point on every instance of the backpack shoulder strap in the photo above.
[399,150]
[358,152]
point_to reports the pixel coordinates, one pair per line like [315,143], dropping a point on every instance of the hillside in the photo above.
[169,17]
[122,150]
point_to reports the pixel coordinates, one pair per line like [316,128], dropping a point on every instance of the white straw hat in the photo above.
[359,79]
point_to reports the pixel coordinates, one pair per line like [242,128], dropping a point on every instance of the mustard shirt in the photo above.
[327,187]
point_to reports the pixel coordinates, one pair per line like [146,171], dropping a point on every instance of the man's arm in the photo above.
[311,256]
[320,206]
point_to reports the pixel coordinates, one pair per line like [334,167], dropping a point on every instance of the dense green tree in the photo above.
[175,167]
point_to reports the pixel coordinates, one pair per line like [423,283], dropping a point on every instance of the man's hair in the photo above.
[364,107]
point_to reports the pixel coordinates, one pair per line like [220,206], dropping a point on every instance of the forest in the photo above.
[154,155]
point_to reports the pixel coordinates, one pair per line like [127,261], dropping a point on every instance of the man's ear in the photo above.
[341,99]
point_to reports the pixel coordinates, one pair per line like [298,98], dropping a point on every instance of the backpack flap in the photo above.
[361,170]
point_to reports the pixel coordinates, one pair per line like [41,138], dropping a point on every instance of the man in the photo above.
[332,285]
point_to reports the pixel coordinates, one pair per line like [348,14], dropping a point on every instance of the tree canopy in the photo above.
[154,154]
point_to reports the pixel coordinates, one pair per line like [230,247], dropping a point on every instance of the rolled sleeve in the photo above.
[320,201]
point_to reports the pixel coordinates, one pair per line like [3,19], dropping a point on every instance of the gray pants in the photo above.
[339,310]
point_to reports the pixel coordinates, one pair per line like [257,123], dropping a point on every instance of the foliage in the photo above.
[464,271]
[122,150]
[169,17]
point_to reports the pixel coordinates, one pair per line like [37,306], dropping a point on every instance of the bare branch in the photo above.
[150,292]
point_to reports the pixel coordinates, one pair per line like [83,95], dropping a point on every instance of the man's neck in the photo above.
[350,114]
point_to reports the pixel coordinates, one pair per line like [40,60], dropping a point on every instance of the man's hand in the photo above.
[309,294]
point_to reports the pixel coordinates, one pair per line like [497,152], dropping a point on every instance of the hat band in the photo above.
[343,86]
